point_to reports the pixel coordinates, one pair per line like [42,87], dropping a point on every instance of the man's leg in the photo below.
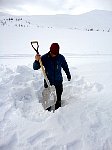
[59,90]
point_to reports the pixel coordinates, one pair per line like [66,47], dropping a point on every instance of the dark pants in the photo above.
[59,90]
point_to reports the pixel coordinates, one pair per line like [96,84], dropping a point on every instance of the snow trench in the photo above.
[83,122]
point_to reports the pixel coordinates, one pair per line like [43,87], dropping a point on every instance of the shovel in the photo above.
[49,93]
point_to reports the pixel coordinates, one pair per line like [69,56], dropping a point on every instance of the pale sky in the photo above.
[51,7]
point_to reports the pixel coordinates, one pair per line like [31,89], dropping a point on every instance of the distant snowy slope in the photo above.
[90,33]
[96,20]
[3,14]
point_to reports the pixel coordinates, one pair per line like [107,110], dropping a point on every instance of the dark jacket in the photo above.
[53,67]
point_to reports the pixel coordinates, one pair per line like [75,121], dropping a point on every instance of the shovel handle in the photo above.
[36,49]
[40,61]
[44,73]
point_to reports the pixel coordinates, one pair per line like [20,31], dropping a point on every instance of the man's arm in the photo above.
[66,69]
[36,64]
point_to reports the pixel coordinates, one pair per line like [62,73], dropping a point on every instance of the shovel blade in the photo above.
[49,97]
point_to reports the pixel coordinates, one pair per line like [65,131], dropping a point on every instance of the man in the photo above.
[53,62]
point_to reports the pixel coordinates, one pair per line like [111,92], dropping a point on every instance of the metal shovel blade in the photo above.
[49,97]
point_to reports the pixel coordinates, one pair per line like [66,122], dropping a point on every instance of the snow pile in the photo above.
[84,121]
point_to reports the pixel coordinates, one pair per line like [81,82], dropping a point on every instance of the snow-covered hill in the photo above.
[96,20]
[92,30]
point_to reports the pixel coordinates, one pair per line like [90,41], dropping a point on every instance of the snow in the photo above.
[84,122]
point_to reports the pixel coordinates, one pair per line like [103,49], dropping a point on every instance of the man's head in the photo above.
[54,49]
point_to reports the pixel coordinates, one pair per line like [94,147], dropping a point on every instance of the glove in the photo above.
[69,79]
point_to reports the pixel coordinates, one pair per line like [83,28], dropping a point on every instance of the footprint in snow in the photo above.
[76,144]
[38,137]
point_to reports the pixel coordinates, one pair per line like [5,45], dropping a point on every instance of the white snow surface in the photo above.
[84,122]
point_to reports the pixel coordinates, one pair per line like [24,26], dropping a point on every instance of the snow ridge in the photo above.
[23,108]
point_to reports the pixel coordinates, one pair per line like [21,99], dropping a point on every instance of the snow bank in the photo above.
[80,124]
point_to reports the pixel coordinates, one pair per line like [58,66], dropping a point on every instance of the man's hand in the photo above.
[69,77]
[37,57]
